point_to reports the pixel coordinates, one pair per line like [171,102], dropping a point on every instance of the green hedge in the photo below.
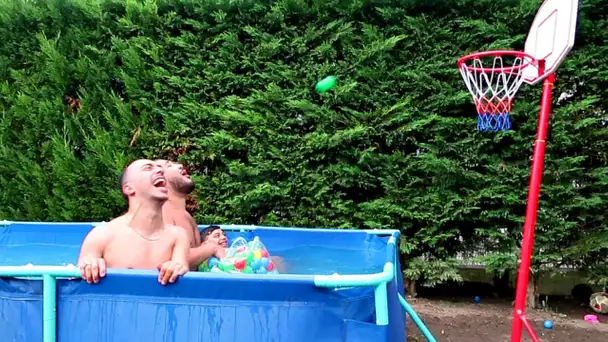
[227,87]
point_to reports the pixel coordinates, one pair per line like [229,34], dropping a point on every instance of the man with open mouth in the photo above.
[140,239]
[179,186]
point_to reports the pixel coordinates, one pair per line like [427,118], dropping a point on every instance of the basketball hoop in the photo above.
[493,78]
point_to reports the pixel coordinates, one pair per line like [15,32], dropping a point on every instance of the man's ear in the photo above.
[128,190]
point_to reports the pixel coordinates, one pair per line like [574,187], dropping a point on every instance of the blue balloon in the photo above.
[264,262]
[213,262]
[256,263]
[261,270]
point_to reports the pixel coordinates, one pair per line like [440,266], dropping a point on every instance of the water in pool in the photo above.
[299,260]
[39,254]
[324,260]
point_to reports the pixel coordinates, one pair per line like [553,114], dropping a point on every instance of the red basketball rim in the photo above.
[528,59]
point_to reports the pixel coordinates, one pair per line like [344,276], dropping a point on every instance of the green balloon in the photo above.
[203,267]
[325,84]
[226,266]
[247,269]
[249,257]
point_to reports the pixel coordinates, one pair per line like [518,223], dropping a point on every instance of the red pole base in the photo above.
[526,324]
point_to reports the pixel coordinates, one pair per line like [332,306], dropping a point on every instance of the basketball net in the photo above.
[493,88]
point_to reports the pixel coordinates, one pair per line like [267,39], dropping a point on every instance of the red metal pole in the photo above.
[529,328]
[531,210]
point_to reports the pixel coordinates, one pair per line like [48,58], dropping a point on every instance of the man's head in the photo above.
[214,234]
[143,180]
[177,177]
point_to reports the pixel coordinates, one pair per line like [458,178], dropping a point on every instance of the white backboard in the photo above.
[551,36]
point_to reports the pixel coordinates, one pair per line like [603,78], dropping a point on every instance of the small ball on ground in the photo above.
[548,324]
[477,299]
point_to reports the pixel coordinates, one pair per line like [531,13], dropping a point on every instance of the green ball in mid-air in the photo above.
[325,84]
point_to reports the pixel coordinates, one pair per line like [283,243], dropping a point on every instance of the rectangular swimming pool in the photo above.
[309,303]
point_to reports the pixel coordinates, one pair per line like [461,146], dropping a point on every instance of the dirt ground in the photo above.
[490,321]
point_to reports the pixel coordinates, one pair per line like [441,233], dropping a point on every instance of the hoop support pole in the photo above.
[531,212]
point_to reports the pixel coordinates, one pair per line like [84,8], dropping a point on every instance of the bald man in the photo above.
[179,185]
[139,239]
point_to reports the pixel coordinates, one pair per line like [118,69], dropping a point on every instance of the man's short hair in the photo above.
[208,231]
[122,179]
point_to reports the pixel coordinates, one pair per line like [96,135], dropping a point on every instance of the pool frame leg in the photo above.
[381,303]
[416,319]
[49,308]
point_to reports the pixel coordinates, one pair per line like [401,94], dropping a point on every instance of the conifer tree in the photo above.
[227,87]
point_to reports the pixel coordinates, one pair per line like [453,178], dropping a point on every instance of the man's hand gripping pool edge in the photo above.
[169,271]
[92,270]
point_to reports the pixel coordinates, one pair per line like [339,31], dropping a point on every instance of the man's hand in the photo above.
[199,254]
[279,264]
[92,269]
[90,261]
[169,271]
[221,252]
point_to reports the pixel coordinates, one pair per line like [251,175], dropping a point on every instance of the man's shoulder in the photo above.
[184,214]
[117,223]
[178,217]
[176,231]
[120,220]
[101,232]
[172,214]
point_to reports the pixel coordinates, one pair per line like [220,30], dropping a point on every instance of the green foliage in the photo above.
[227,87]
[433,272]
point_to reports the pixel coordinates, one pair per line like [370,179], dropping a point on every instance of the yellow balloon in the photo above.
[257,254]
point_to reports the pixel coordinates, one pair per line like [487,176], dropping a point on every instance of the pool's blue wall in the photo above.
[131,305]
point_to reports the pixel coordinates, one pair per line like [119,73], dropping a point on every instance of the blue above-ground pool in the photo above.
[309,303]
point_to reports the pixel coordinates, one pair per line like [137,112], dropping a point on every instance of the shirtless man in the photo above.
[139,239]
[180,185]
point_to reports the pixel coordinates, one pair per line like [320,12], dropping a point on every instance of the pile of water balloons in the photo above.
[242,257]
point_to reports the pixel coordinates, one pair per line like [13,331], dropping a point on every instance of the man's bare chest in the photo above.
[136,252]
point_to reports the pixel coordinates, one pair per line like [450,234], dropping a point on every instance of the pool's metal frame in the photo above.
[379,281]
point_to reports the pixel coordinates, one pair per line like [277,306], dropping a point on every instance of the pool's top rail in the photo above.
[357,280]
[228,227]
[245,228]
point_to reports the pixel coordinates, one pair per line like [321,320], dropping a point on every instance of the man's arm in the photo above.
[90,261]
[178,265]
[181,247]
[195,231]
[198,252]
[197,255]
[279,264]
